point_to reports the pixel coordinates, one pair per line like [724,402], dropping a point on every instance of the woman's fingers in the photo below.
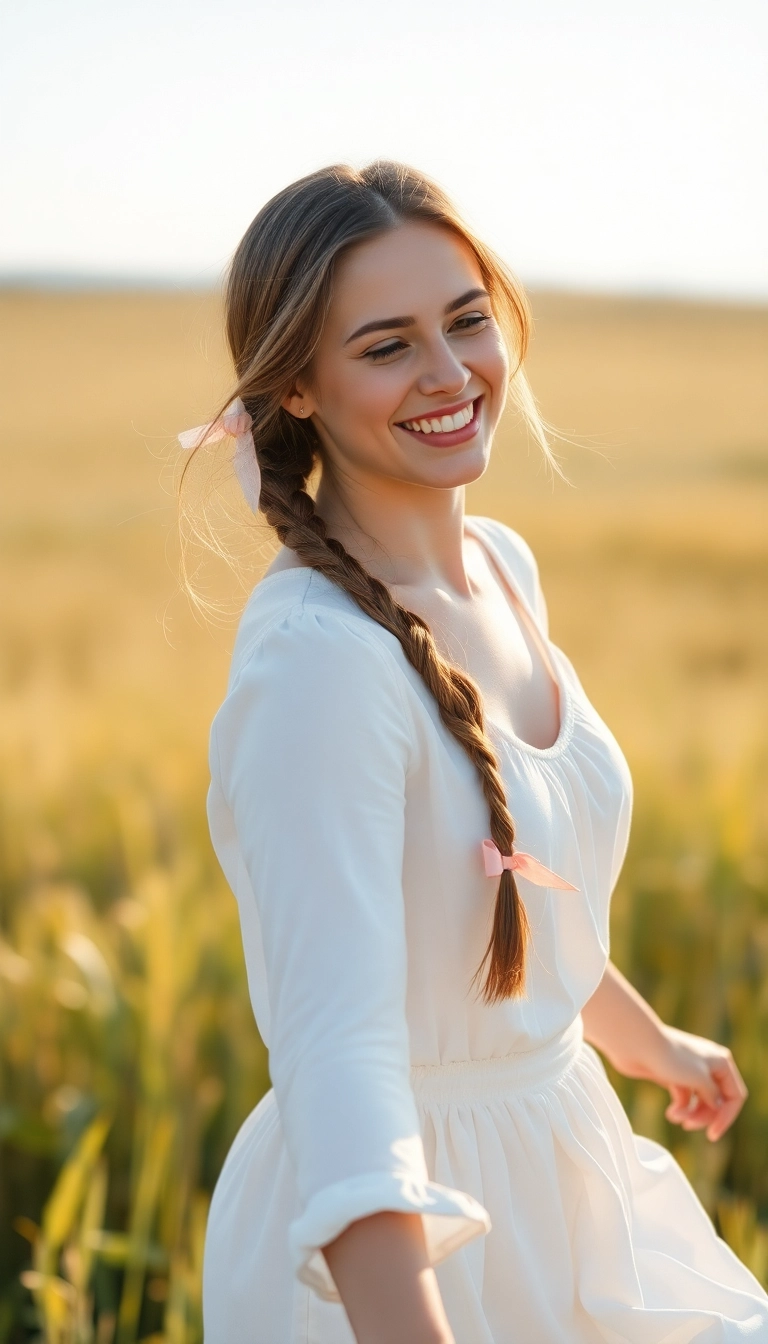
[733,1091]
[701,1114]
[712,1102]
[724,1118]
[728,1078]
[695,1084]
[689,1109]
[680,1103]
[695,1112]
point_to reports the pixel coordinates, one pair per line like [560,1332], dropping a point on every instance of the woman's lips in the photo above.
[431,428]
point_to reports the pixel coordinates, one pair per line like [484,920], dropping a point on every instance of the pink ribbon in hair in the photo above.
[525,864]
[235,423]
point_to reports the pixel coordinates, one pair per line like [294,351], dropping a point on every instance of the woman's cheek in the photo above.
[378,399]
[358,417]
[495,372]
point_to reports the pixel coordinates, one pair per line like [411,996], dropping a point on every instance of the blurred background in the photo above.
[616,156]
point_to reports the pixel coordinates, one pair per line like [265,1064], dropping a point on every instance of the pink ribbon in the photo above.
[235,423]
[525,864]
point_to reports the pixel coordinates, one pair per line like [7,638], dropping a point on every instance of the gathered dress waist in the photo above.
[498,1077]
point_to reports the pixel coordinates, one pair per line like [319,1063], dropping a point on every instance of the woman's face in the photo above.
[410,377]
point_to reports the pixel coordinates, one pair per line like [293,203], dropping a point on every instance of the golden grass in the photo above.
[126,1024]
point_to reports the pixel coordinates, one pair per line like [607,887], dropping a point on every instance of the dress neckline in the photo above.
[565,701]
[548,651]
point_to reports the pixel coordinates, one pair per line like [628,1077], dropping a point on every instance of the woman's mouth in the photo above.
[447,426]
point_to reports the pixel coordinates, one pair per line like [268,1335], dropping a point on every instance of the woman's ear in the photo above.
[300,404]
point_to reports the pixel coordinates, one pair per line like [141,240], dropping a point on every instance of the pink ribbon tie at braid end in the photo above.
[235,423]
[524,864]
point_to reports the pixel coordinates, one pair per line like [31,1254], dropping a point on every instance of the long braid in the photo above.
[290,510]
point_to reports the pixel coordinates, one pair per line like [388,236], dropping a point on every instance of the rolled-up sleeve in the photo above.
[312,747]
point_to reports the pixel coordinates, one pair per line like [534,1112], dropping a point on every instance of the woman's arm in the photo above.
[310,755]
[382,1270]
[705,1085]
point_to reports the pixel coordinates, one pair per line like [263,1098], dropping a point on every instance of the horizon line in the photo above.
[72,281]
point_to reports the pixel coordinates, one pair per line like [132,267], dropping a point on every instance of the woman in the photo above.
[423,819]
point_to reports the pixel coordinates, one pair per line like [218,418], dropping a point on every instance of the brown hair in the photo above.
[278,293]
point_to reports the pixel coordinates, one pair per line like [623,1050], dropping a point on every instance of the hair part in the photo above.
[277,297]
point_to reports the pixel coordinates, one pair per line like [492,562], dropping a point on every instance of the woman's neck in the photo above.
[408,536]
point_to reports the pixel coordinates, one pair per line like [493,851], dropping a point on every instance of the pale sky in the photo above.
[599,144]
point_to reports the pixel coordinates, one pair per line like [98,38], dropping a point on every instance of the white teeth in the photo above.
[444,425]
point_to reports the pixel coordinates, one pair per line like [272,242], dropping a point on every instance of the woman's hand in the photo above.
[704,1083]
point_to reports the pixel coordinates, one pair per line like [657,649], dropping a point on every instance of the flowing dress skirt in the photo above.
[596,1234]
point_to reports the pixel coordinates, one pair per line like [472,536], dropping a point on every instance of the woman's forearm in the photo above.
[619,1022]
[706,1089]
[382,1271]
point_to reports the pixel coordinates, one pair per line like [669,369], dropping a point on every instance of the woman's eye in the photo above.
[468,322]
[382,351]
[471,321]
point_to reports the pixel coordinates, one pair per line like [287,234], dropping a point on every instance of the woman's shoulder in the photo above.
[515,552]
[308,663]
[511,543]
[297,615]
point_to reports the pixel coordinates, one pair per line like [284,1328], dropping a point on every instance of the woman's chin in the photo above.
[456,469]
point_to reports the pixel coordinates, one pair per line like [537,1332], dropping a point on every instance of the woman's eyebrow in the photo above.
[387,323]
[381,324]
[477,293]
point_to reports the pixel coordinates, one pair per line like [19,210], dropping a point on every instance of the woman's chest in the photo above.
[508,660]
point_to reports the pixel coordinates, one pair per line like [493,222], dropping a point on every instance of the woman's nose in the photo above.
[442,371]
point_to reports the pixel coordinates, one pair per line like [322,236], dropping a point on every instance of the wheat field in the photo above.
[129,1056]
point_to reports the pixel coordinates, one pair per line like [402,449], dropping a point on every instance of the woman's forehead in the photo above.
[419,265]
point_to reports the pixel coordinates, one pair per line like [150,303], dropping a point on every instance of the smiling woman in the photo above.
[442,1158]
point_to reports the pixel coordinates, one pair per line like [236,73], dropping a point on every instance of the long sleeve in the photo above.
[311,752]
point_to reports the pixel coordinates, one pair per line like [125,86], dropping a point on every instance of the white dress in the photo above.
[349,824]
